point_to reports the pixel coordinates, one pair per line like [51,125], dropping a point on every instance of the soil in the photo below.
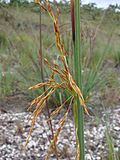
[14,103]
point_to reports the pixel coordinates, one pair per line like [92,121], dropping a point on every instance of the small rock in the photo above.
[31,144]
[88,157]
[117,128]
[44,135]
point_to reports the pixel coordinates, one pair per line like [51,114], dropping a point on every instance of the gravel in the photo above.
[14,128]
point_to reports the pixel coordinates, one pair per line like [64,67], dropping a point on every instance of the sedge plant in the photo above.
[78,89]
[65,82]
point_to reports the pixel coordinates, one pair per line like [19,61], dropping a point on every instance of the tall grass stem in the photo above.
[78,78]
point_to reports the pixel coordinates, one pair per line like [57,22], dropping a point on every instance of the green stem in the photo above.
[78,79]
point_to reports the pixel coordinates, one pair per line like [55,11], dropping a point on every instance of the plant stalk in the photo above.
[79,120]
[42,77]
